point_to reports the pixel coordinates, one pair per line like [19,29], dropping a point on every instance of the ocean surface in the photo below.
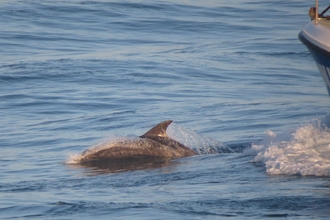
[75,75]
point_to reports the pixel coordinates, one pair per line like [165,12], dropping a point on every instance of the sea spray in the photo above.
[301,151]
[199,143]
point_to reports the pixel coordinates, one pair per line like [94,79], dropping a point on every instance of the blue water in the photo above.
[75,74]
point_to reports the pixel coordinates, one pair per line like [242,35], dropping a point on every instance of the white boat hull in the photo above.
[317,40]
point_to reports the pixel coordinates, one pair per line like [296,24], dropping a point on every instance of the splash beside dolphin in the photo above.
[154,144]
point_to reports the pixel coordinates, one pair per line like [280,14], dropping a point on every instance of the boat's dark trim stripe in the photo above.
[312,46]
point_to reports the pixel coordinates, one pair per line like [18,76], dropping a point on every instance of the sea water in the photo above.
[230,74]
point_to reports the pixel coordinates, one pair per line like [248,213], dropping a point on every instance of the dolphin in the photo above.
[154,144]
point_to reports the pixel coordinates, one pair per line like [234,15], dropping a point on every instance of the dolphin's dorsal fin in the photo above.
[159,130]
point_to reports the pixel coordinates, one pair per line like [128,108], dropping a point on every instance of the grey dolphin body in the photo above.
[154,144]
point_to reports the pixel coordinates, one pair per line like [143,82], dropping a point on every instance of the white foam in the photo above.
[73,159]
[302,151]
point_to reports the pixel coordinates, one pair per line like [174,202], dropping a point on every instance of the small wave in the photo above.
[73,159]
[302,151]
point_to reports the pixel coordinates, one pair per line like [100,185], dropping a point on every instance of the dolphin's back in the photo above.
[153,144]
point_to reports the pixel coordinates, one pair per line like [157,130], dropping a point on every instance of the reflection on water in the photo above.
[98,167]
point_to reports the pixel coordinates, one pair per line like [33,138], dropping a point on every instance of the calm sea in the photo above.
[76,74]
